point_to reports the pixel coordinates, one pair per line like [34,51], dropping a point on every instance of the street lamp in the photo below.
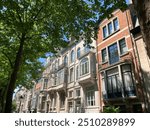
[20,98]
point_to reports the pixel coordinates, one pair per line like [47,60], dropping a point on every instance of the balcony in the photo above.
[61,66]
[59,81]
[88,79]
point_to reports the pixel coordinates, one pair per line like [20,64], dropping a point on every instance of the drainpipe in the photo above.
[98,77]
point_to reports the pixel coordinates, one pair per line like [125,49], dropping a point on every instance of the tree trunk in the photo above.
[142,8]
[13,78]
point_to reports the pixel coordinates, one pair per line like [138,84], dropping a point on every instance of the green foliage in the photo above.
[44,26]
[111,109]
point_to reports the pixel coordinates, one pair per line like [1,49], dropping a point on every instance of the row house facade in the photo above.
[115,71]
[118,66]
[69,82]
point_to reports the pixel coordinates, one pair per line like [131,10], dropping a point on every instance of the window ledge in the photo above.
[124,54]
[104,62]
[111,34]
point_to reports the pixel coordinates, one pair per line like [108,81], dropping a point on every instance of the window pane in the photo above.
[113,53]
[65,60]
[78,53]
[104,55]
[123,48]
[84,66]
[116,24]
[72,56]
[104,32]
[110,29]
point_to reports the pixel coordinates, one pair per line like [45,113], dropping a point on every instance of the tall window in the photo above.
[84,66]
[70,107]
[65,60]
[128,80]
[77,92]
[62,100]
[90,97]
[60,78]
[78,52]
[110,29]
[45,83]
[122,45]
[71,75]
[113,83]
[116,24]
[77,72]
[104,55]
[113,53]
[104,32]
[43,102]
[72,56]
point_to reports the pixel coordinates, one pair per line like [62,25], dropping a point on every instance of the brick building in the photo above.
[118,68]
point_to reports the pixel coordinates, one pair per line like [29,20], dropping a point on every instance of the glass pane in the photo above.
[113,53]
[105,32]
[110,30]
[123,47]
[116,24]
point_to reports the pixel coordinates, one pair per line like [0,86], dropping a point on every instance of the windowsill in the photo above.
[124,54]
[81,76]
[111,34]
[104,62]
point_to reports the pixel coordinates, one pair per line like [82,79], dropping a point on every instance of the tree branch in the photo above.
[11,64]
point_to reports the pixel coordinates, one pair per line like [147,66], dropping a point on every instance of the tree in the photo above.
[142,8]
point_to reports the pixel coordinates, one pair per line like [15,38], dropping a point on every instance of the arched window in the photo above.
[72,56]
[65,60]
[78,52]
[77,73]
[84,66]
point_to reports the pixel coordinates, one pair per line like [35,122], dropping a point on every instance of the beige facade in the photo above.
[23,100]
[144,62]
[69,81]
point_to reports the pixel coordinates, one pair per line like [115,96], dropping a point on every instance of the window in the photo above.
[113,83]
[72,56]
[43,102]
[116,24]
[90,97]
[104,32]
[60,77]
[128,80]
[84,66]
[71,75]
[70,94]
[77,106]
[62,100]
[113,53]
[110,29]
[122,45]
[70,105]
[104,55]
[78,92]
[78,52]
[66,60]
[45,83]
[77,73]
